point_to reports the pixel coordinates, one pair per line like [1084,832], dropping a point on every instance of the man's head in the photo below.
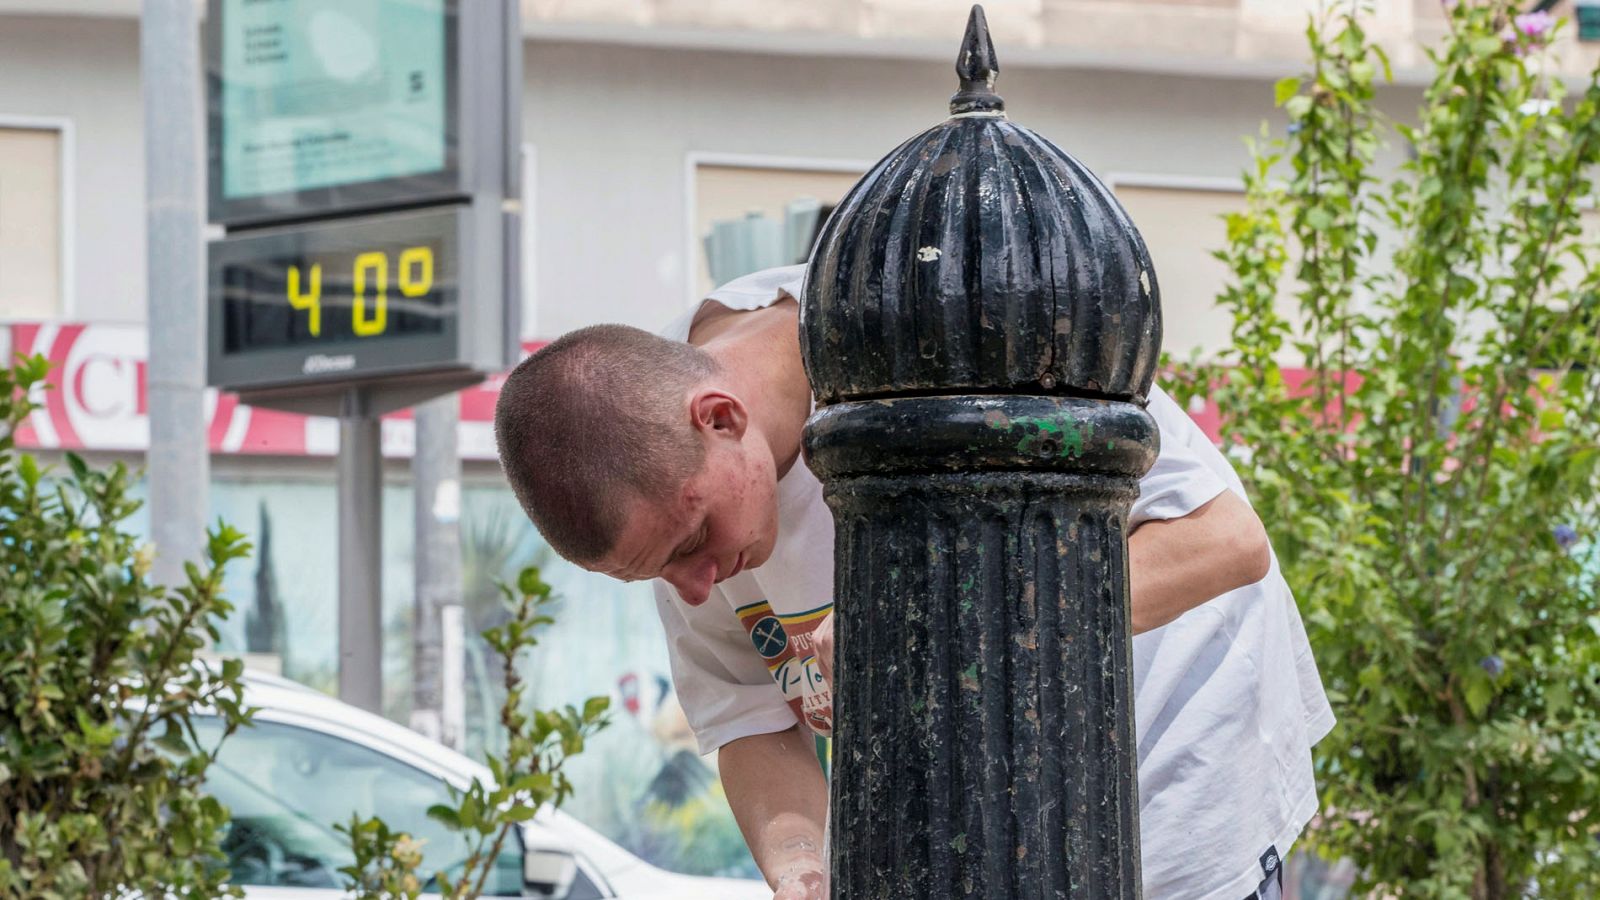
[633,458]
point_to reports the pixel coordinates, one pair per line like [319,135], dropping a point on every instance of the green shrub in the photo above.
[527,774]
[100,787]
[1431,486]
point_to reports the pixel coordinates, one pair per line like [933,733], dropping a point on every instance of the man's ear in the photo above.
[717,413]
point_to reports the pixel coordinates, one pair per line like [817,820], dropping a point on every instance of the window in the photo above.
[753,217]
[286,788]
[1182,227]
[30,222]
[1182,224]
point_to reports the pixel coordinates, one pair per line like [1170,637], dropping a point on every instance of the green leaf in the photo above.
[1557,699]
[445,815]
[521,813]
[530,584]
[537,783]
[1478,694]
[1486,46]
[1383,60]
[35,368]
[28,468]
[1286,88]
[172,739]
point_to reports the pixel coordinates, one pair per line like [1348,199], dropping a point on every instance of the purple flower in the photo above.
[1494,665]
[1535,25]
[1566,536]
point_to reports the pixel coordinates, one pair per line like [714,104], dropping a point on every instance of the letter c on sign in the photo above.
[116,403]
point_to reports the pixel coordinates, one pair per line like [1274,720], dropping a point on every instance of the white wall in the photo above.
[87,71]
[612,127]
[614,124]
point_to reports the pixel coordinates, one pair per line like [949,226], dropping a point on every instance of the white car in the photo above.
[310,761]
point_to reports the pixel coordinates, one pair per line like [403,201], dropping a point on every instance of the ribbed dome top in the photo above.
[979,257]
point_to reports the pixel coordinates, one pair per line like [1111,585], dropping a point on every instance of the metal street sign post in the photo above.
[980,327]
[178,464]
[363,158]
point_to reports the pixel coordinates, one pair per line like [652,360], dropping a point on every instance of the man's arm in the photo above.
[780,799]
[1175,565]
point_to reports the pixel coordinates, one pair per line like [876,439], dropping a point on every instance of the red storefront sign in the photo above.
[97,402]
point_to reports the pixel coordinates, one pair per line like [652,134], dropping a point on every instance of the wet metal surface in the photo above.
[981,326]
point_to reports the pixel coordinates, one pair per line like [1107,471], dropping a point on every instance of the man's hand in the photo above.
[822,643]
[802,879]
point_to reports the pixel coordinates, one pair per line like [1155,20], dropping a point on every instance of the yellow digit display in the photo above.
[310,301]
[420,259]
[378,264]
[368,289]
[377,294]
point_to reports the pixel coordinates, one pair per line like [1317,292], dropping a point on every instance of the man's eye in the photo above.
[698,541]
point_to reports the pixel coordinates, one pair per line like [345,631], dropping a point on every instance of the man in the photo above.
[677,459]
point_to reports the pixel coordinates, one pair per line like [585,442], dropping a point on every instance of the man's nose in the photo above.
[693,579]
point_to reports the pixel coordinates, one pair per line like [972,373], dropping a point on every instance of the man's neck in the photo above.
[759,351]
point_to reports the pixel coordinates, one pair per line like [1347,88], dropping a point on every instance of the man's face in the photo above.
[723,520]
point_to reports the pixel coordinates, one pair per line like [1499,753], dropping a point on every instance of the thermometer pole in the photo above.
[360,554]
[179,461]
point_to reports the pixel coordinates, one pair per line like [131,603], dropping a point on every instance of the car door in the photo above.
[287,785]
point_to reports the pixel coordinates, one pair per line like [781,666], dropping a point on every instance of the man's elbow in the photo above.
[1251,552]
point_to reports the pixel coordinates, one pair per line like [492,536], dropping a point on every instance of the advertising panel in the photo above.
[323,104]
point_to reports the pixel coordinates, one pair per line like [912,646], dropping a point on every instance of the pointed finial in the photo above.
[977,68]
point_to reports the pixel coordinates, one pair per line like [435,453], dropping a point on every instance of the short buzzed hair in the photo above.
[592,419]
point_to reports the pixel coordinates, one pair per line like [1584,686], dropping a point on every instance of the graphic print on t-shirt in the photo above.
[784,643]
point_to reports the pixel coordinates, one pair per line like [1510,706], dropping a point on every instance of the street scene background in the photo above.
[668,146]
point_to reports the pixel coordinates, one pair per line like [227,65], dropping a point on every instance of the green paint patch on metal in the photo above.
[959,843]
[1062,436]
[969,678]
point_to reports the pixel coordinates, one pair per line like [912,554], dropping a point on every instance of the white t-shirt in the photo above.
[1227,699]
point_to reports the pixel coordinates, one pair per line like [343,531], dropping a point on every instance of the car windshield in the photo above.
[286,787]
